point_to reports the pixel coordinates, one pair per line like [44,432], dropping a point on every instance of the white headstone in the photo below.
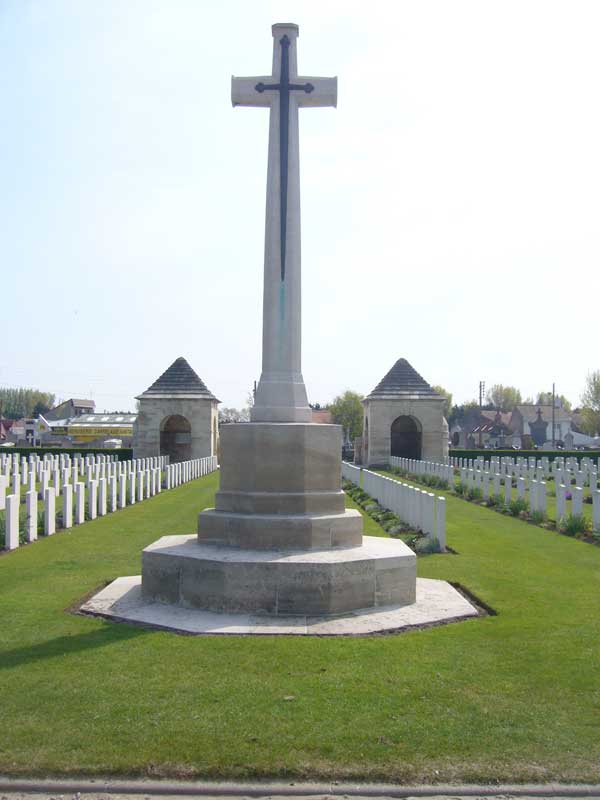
[31,516]
[67,510]
[11,522]
[49,511]
[79,503]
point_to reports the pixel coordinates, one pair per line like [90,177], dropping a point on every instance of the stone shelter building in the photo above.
[178,417]
[403,417]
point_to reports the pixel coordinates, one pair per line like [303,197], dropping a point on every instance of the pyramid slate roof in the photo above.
[403,380]
[179,379]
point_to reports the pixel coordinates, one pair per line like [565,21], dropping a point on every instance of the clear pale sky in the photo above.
[450,204]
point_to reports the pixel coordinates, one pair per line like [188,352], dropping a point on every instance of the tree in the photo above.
[458,413]
[590,400]
[237,414]
[347,411]
[447,397]
[17,402]
[545,399]
[504,398]
[234,415]
[40,408]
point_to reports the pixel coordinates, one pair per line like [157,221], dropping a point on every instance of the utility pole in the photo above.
[481,393]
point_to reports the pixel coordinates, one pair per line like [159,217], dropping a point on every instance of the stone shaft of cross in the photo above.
[281,394]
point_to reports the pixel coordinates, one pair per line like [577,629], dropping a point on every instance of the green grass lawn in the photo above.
[508,697]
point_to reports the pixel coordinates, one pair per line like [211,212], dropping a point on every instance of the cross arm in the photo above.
[243,91]
[323,93]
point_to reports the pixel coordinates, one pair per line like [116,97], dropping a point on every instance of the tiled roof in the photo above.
[403,379]
[529,412]
[322,417]
[180,378]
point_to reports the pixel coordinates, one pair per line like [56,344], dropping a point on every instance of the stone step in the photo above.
[181,571]
[280,531]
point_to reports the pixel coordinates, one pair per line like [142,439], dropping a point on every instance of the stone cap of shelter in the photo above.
[180,381]
[403,381]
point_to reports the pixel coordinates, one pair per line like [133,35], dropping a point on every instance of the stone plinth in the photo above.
[280,489]
[281,531]
[279,540]
[179,570]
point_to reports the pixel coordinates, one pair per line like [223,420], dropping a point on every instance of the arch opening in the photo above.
[176,438]
[406,438]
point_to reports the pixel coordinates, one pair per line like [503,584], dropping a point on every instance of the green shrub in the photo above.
[432,480]
[518,506]
[574,525]
[537,517]
[461,489]
[427,545]
[475,493]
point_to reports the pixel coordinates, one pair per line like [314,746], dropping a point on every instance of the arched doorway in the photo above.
[176,438]
[406,438]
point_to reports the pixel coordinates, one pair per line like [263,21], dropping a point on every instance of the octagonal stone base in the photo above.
[436,603]
[181,571]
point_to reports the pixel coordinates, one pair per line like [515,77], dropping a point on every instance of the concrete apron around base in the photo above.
[437,602]
[96,789]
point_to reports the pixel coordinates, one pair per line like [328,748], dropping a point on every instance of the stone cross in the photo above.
[281,394]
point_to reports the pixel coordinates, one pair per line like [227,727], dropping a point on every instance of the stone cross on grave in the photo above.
[281,394]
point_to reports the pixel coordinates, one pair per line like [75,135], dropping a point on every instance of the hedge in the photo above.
[550,454]
[123,454]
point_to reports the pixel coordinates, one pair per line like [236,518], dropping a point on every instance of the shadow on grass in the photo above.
[67,645]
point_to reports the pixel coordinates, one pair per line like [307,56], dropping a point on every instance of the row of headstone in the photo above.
[59,471]
[418,508]
[584,471]
[97,496]
[501,485]
[566,472]
[96,467]
[420,467]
